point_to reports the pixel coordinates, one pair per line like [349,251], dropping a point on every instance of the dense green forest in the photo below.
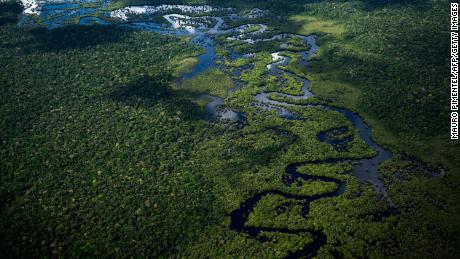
[104,152]
[394,55]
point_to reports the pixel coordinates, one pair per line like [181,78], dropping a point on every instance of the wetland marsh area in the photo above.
[226,129]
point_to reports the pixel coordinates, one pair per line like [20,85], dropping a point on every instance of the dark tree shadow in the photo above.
[9,12]
[373,5]
[145,88]
[73,37]
[148,91]
[62,38]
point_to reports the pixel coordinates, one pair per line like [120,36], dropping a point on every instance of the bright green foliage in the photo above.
[213,82]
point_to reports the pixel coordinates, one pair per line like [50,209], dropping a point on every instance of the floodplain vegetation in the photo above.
[104,151]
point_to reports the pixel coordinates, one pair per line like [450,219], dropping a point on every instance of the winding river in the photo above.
[203,30]
[366,169]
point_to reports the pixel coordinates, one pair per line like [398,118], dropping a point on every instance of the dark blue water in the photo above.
[205,60]
[91,20]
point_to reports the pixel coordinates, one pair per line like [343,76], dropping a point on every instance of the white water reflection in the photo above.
[30,7]
[127,12]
